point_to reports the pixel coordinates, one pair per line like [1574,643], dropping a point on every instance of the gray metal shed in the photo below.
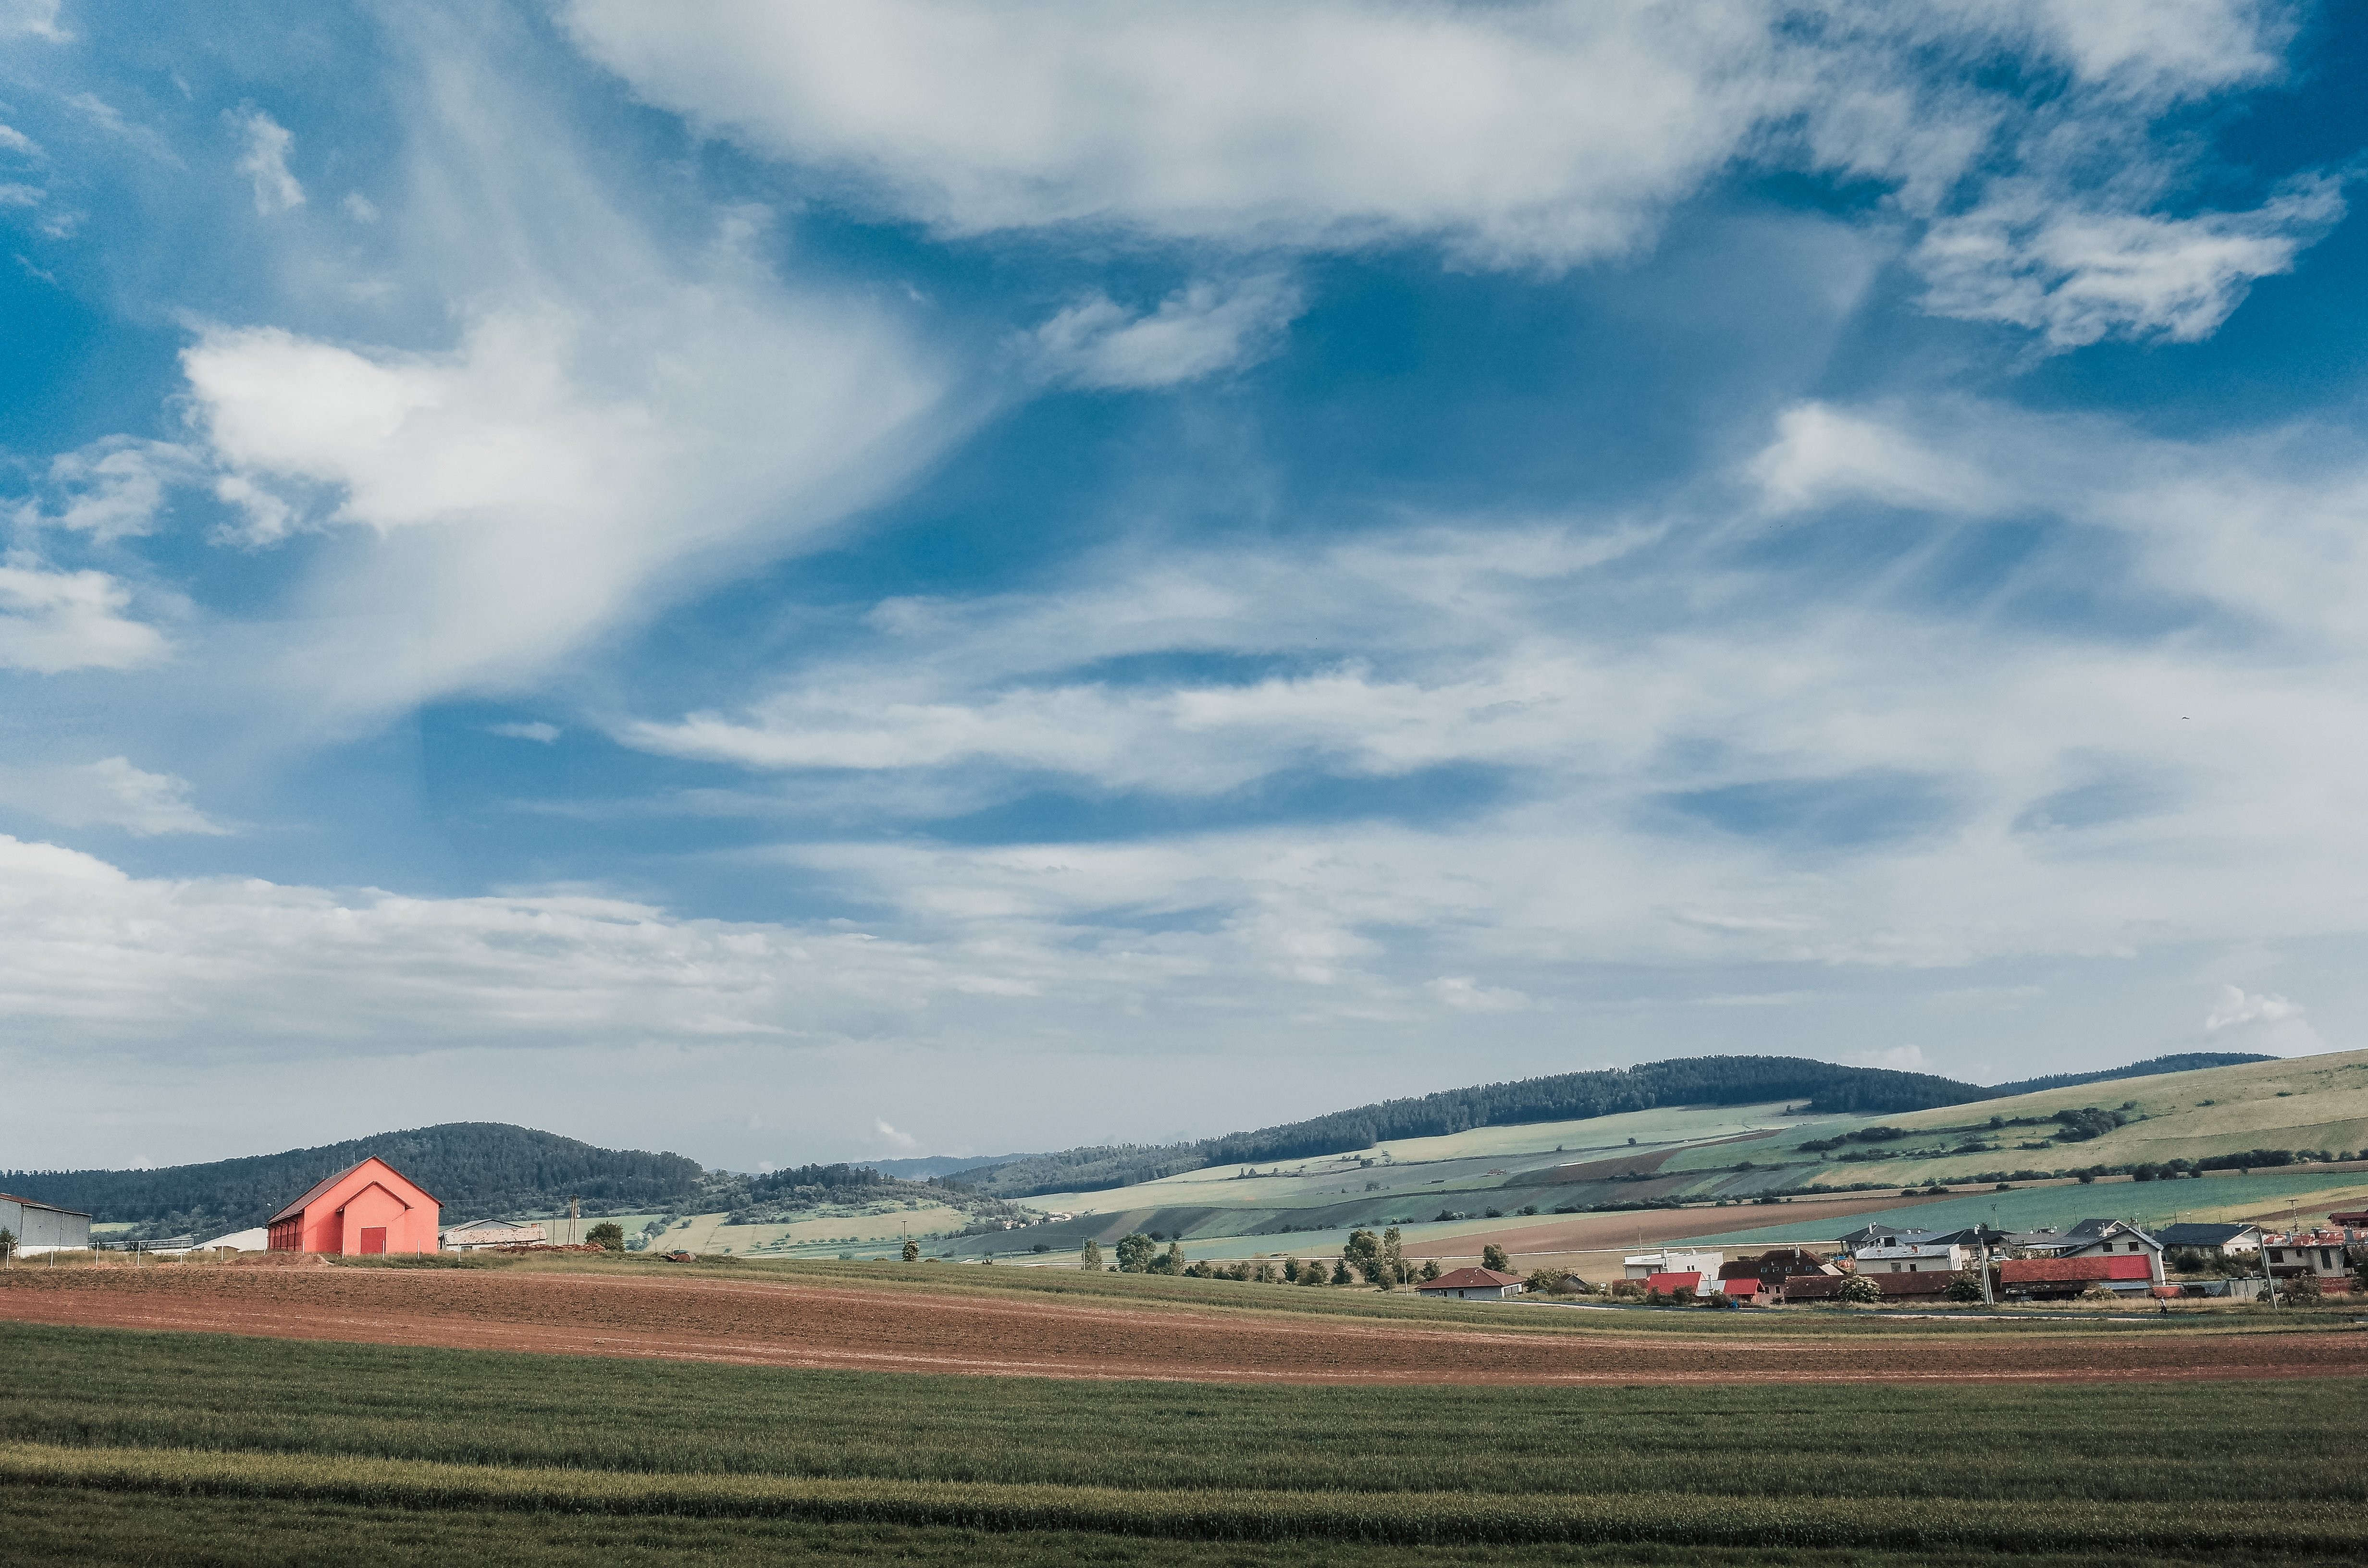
[43,1227]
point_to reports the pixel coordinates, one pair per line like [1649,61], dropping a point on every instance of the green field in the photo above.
[119,1446]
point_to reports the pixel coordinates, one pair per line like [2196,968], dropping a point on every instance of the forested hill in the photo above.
[1567,1097]
[476,1169]
[2189,1062]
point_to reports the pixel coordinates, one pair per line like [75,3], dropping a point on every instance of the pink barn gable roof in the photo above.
[368,1208]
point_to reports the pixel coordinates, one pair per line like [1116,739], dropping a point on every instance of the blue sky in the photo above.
[794,580]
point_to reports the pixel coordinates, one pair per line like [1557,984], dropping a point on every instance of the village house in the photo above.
[1645,1264]
[2321,1253]
[1472,1285]
[1911,1255]
[2104,1238]
[2227,1241]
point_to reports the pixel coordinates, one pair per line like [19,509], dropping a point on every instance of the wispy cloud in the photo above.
[1194,332]
[265,161]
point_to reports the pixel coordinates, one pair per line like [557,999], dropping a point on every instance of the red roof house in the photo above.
[1472,1285]
[369,1207]
[1671,1284]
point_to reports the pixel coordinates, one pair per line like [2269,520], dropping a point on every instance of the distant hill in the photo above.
[941,1164]
[1567,1097]
[2191,1061]
[476,1169]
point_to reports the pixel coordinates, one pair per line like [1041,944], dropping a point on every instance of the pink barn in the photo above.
[373,1208]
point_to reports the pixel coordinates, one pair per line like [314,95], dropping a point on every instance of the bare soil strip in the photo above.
[792,1323]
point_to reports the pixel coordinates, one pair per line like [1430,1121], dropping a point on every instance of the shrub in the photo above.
[1493,1256]
[1965,1287]
[1626,1290]
[912,1250]
[2302,1291]
[608,1235]
[1858,1288]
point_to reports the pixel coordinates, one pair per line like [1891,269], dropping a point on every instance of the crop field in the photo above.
[1041,1322]
[708,1234]
[122,1446]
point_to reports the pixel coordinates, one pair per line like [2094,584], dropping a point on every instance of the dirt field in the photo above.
[790,1324]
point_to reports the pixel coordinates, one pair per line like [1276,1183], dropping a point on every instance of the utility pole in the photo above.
[574,1212]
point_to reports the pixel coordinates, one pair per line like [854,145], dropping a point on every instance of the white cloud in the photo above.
[360,208]
[21,195]
[1555,131]
[1822,453]
[532,730]
[109,793]
[903,1142]
[1196,331]
[2238,1006]
[113,487]
[1547,133]
[53,621]
[16,142]
[2077,275]
[265,162]
[1897,1059]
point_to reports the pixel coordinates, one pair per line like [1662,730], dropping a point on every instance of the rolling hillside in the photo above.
[2267,1115]
[1825,1088]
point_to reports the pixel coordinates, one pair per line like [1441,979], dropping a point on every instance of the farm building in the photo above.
[368,1207]
[42,1227]
[479,1235]
[1911,1255]
[1772,1268]
[2041,1278]
[1923,1285]
[1668,1284]
[1472,1285]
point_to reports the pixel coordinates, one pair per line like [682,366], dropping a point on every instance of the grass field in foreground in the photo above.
[114,1441]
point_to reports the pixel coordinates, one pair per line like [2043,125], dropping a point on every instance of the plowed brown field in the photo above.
[793,1323]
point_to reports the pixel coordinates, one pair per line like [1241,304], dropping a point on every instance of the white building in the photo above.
[1913,1257]
[1645,1264]
[479,1235]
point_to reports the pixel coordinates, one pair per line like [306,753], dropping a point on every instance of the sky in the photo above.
[789,581]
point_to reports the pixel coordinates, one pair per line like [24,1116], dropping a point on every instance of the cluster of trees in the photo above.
[1376,1259]
[2087,1122]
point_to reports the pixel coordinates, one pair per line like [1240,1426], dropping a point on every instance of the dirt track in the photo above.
[855,1327]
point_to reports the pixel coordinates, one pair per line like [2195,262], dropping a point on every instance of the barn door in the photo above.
[374,1238]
